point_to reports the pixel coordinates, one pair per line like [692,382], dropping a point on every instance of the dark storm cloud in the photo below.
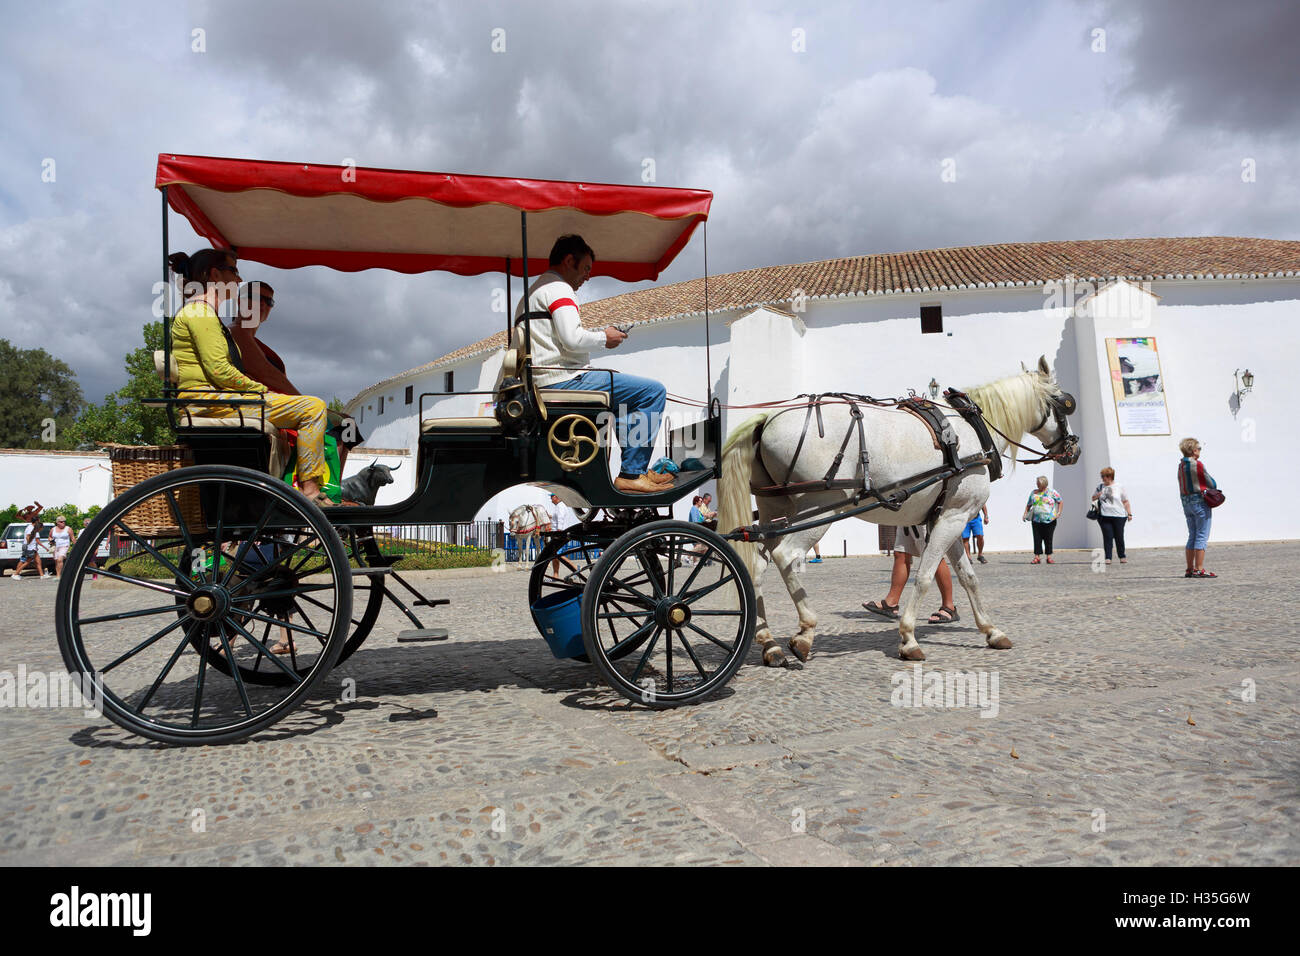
[823,130]
[1231,65]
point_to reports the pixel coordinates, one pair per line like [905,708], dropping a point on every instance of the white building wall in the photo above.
[873,345]
[54,478]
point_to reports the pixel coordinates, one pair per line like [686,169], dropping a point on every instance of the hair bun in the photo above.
[180,263]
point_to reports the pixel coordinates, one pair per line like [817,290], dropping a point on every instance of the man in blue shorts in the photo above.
[975,528]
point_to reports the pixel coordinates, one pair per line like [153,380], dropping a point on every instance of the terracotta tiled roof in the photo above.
[936,270]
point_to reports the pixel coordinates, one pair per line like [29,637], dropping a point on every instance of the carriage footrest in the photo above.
[431,602]
[423,634]
[371,571]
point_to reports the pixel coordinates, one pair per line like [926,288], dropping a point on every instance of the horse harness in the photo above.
[892,496]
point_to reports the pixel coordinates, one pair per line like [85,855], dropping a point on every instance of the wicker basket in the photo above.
[132,464]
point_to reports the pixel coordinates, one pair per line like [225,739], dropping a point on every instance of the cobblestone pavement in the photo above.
[1126,732]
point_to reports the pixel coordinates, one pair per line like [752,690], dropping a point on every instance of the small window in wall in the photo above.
[410,394]
[381,404]
[449,381]
[931,319]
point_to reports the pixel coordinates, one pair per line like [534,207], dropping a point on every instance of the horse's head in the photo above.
[1053,428]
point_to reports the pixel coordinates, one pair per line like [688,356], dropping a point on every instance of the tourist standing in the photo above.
[61,539]
[1113,513]
[1042,509]
[1193,482]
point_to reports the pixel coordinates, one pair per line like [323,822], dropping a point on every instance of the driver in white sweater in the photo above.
[561,350]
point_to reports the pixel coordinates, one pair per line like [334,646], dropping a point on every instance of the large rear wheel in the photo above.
[210,564]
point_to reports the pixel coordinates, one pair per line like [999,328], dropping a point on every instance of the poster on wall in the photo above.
[1138,386]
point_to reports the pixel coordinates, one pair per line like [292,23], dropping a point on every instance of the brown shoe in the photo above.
[663,479]
[640,485]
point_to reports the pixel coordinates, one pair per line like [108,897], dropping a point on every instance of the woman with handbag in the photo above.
[1113,512]
[1194,486]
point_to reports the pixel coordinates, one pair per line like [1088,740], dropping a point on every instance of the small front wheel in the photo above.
[680,597]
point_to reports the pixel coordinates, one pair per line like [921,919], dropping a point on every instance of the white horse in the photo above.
[527,522]
[899,447]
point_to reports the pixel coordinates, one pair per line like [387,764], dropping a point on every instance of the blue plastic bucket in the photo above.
[558,618]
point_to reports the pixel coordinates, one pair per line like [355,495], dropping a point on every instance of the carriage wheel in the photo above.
[678,596]
[204,557]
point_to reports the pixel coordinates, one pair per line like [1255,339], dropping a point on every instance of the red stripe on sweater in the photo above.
[559,303]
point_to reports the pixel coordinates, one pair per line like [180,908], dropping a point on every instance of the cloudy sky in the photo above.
[823,129]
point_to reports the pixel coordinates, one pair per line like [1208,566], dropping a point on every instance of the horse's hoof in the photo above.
[911,654]
[773,656]
[1001,642]
[801,649]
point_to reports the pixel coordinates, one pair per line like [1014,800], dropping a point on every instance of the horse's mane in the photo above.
[1014,404]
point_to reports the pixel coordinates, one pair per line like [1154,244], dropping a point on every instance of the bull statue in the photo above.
[365,484]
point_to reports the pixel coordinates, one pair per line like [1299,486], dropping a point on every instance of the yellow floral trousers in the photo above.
[306,413]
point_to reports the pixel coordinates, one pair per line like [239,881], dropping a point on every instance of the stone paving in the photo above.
[1142,718]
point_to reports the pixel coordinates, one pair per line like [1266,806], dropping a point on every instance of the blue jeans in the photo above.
[1198,516]
[638,403]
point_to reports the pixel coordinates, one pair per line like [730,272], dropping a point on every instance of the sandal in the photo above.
[1037,560]
[1202,573]
[889,611]
[281,647]
[950,616]
[1189,574]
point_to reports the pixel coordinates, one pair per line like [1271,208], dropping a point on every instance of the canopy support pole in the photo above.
[167,301]
[528,329]
[708,351]
[509,311]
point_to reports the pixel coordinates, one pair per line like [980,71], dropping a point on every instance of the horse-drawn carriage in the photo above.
[175,638]
[225,557]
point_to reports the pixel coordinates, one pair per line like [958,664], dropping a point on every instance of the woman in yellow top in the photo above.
[207,364]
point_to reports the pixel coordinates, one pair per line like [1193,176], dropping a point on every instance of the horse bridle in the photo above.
[1066,447]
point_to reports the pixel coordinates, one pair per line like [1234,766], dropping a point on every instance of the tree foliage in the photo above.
[37,388]
[121,418]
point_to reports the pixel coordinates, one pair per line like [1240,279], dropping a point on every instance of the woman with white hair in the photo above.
[1042,509]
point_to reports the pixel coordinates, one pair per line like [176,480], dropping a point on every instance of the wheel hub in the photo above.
[672,612]
[208,603]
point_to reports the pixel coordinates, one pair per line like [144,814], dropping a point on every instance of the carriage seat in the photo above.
[192,417]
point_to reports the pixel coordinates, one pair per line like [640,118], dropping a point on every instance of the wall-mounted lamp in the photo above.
[934,389]
[1243,381]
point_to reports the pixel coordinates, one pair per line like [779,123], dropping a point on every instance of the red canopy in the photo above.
[289,215]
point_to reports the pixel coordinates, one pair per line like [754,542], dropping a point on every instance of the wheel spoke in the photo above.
[138,582]
[630,639]
[204,651]
[729,648]
[216,540]
[234,669]
[123,615]
[180,521]
[708,589]
[646,656]
[691,652]
[326,607]
[145,643]
[303,614]
[273,658]
[153,552]
[247,542]
[644,561]
[162,675]
[290,593]
[283,623]
[699,566]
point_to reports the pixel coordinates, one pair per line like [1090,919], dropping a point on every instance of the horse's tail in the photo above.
[734,509]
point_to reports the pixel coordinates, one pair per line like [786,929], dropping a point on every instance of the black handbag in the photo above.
[1094,512]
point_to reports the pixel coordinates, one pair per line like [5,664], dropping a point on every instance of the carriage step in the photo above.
[372,572]
[424,602]
[423,634]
